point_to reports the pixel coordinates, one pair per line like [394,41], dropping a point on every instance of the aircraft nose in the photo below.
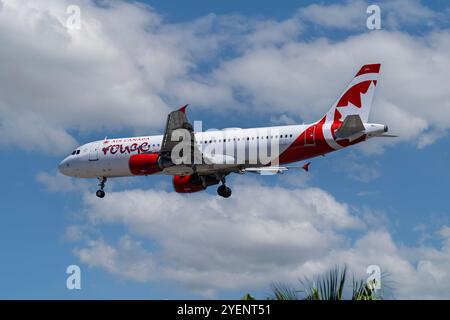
[63,167]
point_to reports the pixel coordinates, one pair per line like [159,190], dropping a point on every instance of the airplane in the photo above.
[198,160]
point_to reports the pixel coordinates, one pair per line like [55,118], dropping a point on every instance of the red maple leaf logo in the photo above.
[352,96]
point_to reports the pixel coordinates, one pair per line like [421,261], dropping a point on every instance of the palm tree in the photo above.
[329,286]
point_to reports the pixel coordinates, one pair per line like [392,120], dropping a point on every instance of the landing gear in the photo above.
[100,193]
[223,190]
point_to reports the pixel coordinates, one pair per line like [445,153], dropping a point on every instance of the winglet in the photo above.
[306,166]
[183,109]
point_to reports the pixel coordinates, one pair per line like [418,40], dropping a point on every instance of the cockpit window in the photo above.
[74,153]
[78,151]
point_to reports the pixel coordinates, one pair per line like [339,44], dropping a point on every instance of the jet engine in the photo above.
[144,164]
[193,183]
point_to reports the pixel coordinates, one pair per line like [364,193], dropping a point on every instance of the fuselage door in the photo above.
[93,152]
[310,136]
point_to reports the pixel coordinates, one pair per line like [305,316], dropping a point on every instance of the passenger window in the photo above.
[291,135]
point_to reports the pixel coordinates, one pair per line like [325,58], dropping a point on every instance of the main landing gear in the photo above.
[223,190]
[100,193]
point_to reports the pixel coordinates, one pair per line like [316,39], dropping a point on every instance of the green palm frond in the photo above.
[330,286]
[281,291]
[362,291]
[327,287]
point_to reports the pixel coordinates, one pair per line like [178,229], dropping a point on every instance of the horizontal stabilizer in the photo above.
[352,125]
[388,136]
[306,166]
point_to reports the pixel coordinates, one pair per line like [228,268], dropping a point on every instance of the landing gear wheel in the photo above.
[224,191]
[101,183]
[100,193]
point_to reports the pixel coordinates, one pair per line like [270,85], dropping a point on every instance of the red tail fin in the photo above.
[357,97]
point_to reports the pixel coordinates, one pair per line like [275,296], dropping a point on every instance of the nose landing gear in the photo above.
[100,193]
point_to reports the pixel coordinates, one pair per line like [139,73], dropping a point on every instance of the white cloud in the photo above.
[209,244]
[282,120]
[74,233]
[445,232]
[347,15]
[351,15]
[430,137]
[295,178]
[361,169]
[128,259]
[403,13]
[56,182]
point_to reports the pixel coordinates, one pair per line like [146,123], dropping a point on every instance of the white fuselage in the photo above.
[110,158]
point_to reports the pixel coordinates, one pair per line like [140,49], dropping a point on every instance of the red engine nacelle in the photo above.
[193,183]
[144,164]
[182,184]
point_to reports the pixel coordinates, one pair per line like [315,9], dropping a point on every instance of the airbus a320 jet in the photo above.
[197,160]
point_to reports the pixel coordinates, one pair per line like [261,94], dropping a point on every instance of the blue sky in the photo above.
[239,64]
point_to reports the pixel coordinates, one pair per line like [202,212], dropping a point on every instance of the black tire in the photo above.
[100,193]
[228,192]
[224,191]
